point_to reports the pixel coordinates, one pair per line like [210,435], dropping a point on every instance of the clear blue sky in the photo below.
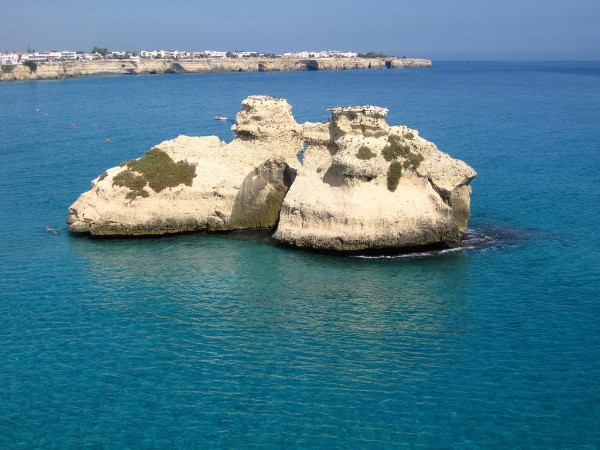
[437,29]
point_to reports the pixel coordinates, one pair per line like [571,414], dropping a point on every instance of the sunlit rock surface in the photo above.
[239,185]
[343,199]
[362,185]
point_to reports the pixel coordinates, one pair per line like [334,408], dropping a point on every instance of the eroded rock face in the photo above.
[235,186]
[367,185]
[70,69]
[260,196]
[363,184]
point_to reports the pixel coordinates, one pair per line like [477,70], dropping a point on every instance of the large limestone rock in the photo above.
[367,185]
[239,185]
[363,184]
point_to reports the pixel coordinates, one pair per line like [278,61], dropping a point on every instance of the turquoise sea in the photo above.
[228,341]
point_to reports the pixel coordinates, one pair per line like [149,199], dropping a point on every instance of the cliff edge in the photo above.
[75,69]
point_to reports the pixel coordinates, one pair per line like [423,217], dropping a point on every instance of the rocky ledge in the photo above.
[362,184]
[74,69]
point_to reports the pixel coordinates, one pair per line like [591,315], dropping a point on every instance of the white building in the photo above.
[9,58]
[90,56]
[320,54]
[244,54]
[36,57]
[165,54]
[148,54]
[215,54]
[51,56]
[339,54]
[68,55]
[296,55]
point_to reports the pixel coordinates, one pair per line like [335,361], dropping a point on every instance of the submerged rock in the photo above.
[363,184]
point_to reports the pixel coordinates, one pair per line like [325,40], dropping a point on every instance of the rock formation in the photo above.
[367,185]
[363,184]
[239,185]
[72,69]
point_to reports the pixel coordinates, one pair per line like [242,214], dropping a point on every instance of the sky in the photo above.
[434,29]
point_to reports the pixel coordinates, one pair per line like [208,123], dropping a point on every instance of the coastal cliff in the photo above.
[362,184]
[75,69]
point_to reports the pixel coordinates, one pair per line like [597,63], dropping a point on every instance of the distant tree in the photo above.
[31,64]
[254,55]
[79,52]
[229,54]
[102,51]
[270,55]
[372,55]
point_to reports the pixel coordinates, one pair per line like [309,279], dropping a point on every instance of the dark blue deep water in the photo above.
[231,341]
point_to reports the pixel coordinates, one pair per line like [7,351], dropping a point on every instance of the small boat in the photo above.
[220,117]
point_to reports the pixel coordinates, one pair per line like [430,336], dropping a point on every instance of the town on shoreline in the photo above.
[69,64]
[98,53]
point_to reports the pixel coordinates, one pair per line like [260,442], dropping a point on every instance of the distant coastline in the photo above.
[76,69]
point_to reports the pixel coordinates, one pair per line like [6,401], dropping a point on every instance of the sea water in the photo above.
[229,340]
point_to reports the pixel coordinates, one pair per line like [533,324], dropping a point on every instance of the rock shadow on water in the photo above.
[474,239]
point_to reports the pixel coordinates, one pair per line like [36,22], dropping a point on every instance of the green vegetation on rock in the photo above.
[409,135]
[156,169]
[397,149]
[372,55]
[161,171]
[7,68]
[365,153]
[31,65]
[135,183]
[103,176]
[393,176]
